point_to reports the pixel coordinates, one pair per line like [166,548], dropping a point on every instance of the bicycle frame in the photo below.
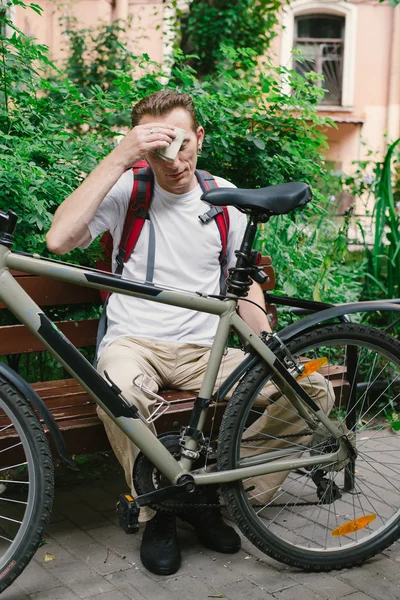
[108,396]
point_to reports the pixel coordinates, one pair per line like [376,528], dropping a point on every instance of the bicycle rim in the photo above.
[337,515]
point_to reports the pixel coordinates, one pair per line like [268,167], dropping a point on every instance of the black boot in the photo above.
[211,529]
[159,551]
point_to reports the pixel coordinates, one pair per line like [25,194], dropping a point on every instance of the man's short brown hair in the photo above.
[161,103]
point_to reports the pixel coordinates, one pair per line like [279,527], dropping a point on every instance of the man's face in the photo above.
[177,177]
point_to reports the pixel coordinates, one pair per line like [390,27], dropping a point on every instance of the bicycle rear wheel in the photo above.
[332,516]
[26,483]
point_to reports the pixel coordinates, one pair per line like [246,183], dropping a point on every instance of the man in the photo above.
[166,345]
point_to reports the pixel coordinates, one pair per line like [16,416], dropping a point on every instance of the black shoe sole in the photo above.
[162,570]
[222,550]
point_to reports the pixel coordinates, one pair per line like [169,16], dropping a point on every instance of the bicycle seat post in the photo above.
[239,279]
[8,223]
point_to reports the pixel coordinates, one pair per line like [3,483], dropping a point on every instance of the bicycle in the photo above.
[339,503]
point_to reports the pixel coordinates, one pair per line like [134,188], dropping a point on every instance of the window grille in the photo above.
[320,38]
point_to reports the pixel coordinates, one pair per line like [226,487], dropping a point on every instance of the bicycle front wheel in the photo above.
[26,483]
[326,516]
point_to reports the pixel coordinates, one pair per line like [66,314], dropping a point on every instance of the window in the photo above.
[320,38]
[6,12]
[323,21]
[2,21]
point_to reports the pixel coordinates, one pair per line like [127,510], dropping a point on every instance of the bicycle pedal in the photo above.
[128,512]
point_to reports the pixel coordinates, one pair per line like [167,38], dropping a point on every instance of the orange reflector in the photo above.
[353,526]
[312,365]
[128,497]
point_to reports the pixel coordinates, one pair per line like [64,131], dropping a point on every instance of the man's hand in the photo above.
[143,139]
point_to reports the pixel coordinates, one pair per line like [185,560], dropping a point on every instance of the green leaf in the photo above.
[38,9]
[81,459]
[259,143]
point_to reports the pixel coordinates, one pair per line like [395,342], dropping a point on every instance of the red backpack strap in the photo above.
[222,221]
[137,213]
[219,213]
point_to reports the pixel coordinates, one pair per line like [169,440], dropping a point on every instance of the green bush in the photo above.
[208,26]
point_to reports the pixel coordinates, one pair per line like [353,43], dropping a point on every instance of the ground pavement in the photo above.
[87,555]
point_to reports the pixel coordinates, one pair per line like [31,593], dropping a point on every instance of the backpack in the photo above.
[138,212]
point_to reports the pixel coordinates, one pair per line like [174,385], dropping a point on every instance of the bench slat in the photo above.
[50,292]
[15,339]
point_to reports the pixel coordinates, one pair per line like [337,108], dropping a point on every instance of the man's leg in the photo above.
[278,420]
[124,360]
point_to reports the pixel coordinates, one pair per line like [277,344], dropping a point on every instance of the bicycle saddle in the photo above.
[275,199]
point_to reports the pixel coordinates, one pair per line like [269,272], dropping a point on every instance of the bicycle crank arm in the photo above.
[171,491]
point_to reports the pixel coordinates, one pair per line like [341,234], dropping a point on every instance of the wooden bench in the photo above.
[72,407]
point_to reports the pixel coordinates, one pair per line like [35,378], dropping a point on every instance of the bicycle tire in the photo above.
[26,483]
[283,530]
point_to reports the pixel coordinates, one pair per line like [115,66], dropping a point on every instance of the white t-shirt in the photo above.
[186,257]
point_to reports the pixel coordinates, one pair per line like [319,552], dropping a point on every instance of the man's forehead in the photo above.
[179,117]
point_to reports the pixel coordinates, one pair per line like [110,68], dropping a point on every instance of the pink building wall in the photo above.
[146,31]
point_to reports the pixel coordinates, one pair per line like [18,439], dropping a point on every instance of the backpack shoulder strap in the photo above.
[137,213]
[219,213]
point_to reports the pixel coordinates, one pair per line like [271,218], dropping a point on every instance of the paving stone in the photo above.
[36,579]
[67,534]
[60,593]
[115,595]
[98,498]
[192,586]
[100,558]
[260,572]
[115,486]
[82,580]
[62,556]
[56,516]
[324,584]
[123,545]
[358,596]
[83,515]
[111,515]
[255,570]
[64,497]
[213,573]
[140,586]
[14,592]
[244,589]
[298,592]
[389,565]
[371,583]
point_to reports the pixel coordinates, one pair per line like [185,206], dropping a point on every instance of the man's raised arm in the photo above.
[70,227]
